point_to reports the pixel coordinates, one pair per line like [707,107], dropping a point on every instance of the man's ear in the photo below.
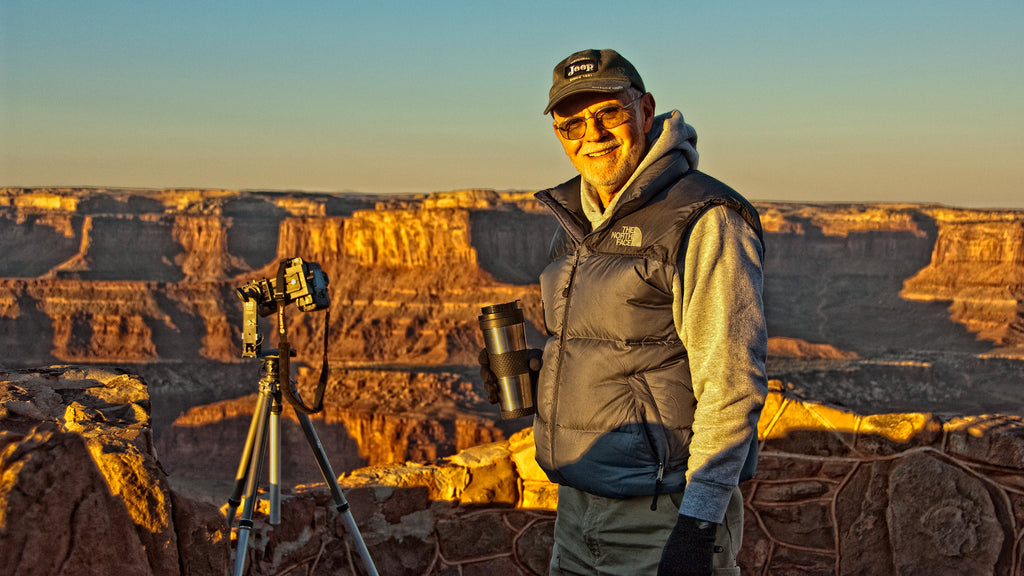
[647,106]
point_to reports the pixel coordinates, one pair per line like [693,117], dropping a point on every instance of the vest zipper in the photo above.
[657,486]
[659,480]
[568,284]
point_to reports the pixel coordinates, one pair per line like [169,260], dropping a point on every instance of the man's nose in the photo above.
[595,128]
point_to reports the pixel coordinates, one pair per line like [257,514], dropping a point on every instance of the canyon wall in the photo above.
[370,418]
[140,276]
[976,265]
[147,279]
[879,279]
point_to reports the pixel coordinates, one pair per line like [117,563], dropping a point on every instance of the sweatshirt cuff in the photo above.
[706,501]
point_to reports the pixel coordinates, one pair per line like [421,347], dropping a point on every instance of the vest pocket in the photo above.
[649,420]
[668,443]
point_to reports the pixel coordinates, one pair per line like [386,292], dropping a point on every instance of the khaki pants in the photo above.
[607,536]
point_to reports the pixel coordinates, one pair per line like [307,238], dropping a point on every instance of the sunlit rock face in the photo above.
[81,490]
[144,276]
[880,278]
[977,265]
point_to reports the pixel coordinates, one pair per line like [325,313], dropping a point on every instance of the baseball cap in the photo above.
[592,71]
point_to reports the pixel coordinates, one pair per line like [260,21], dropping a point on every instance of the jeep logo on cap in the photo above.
[580,67]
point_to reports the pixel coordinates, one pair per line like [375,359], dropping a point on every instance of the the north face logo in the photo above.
[628,236]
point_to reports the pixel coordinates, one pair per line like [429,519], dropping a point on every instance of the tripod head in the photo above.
[303,283]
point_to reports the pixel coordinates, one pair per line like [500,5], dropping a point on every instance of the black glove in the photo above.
[491,381]
[690,548]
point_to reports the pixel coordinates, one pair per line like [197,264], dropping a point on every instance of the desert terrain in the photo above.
[873,308]
[891,439]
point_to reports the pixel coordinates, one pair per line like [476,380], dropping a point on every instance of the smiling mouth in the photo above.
[600,153]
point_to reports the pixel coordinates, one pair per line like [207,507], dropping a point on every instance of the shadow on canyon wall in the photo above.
[512,245]
[252,236]
[845,290]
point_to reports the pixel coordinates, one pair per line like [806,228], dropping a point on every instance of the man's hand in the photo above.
[690,548]
[491,381]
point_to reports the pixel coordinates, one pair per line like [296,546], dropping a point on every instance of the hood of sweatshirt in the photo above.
[669,133]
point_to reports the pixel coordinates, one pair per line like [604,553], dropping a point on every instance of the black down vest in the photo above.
[615,401]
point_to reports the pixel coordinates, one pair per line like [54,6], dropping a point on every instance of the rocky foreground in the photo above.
[82,491]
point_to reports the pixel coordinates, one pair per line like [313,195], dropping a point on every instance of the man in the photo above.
[653,377]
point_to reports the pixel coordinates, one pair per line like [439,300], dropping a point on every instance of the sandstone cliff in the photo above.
[895,278]
[127,274]
[147,279]
[976,264]
[138,276]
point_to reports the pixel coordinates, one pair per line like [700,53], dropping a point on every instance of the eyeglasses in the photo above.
[606,118]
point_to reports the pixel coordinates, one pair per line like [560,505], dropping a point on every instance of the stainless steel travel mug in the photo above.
[505,337]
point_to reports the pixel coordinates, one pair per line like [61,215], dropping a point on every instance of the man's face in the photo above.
[606,157]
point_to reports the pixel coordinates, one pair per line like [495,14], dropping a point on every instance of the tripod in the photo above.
[268,415]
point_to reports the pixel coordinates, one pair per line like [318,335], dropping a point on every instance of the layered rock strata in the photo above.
[409,273]
[406,283]
[976,265]
[879,279]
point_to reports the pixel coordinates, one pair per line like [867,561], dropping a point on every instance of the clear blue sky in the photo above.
[919,101]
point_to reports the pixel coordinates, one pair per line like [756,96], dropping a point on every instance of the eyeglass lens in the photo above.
[610,117]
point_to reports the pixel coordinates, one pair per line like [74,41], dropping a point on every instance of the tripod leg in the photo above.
[275,460]
[339,498]
[243,466]
[252,481]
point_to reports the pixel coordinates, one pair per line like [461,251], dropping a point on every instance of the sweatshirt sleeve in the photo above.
[719,315]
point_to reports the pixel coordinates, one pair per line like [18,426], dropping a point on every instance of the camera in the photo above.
[305,284]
